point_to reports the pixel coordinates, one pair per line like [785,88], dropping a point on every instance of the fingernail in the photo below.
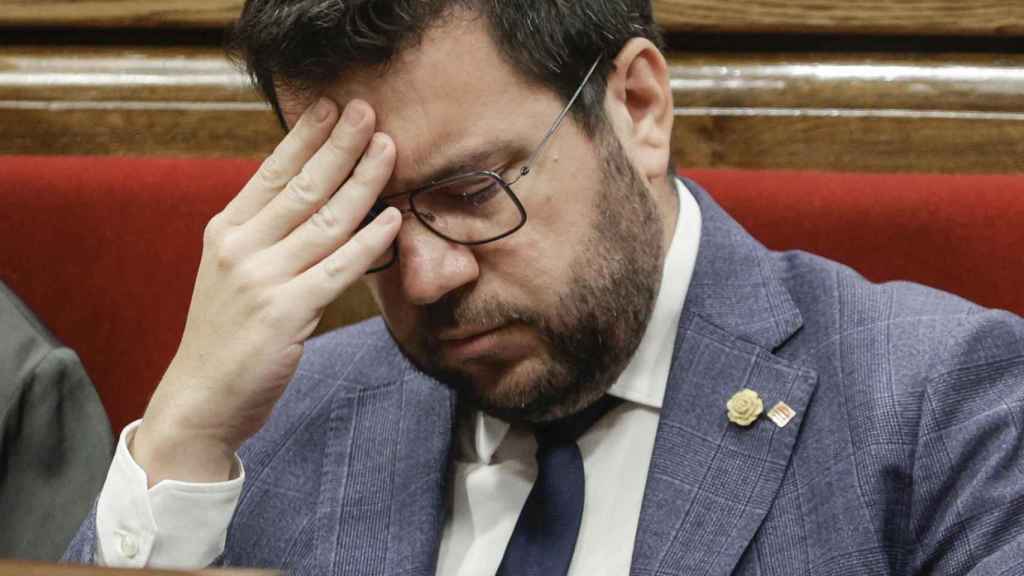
[323,110]
[377,146]
[354,114]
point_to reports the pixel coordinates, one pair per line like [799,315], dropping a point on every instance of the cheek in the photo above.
[533,266]
[559,227]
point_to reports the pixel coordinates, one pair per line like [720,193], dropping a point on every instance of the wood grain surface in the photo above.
[851,144]
[948,82]
[886,17]
[149,101]
[874,113]
[883,17]
[941,113]
[119,13]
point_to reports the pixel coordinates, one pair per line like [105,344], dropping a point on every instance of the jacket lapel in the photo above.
[710,482]
[382,503]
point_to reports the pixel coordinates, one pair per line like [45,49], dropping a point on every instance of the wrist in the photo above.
[170,455]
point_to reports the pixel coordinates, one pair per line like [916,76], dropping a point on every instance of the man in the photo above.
[748,412]
[55,442]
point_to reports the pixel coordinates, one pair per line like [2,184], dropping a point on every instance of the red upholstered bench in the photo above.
[105,249]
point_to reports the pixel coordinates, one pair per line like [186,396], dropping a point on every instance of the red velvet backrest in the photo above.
[105,249]
[963,234]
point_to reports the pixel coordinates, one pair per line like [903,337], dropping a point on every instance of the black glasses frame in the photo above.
[380,206]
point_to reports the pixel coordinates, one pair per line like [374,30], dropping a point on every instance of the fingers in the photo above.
[324,282]
[318,180]
[334,223]
[307,136]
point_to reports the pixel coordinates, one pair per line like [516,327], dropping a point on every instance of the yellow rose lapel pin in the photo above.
[744,407]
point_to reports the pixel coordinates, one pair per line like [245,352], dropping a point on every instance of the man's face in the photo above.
[539,324]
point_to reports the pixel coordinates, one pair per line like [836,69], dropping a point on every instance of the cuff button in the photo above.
[129,546]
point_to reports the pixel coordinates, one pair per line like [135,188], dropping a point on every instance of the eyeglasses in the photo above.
[472,208]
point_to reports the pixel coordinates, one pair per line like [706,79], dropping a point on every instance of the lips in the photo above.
[467,342]
[465,334]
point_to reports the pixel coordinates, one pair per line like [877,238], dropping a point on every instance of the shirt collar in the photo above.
[644,378]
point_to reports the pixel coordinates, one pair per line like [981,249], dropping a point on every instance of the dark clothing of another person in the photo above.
[56,444]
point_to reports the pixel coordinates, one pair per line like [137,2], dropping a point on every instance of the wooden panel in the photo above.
[869,113]
[883,17]
[940,113]
[851,143]
[145,101]
[948,82]
[119,13]
[904,17]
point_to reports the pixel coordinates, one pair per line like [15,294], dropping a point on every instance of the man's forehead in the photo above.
[451,97]
[457,57]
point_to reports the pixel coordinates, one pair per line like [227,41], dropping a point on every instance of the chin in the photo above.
[534,389]
[507,387]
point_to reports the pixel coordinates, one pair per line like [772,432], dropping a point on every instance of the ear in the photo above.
[640,108]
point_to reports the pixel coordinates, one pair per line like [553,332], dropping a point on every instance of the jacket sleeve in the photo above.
[968,487]
[56,448]
[82,549]
[173,525]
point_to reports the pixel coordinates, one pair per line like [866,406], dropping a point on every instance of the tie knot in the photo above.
[567,430]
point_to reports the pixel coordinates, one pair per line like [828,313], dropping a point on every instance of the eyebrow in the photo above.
[470,161]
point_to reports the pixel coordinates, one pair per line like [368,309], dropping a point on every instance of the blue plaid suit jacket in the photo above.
[905,456]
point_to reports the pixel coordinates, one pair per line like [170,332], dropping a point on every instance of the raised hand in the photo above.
[284,248]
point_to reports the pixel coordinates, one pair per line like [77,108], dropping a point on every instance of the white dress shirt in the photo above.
[184,525]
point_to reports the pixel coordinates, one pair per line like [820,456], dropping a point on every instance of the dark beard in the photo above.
[601,317]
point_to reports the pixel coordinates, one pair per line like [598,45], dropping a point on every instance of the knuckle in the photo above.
[226,253]
[233,254]
[272,174]
[302,189]
[214,231]
[337,266]
[249,280]
[326,220]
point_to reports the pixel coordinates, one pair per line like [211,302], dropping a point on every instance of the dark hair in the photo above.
[305,45]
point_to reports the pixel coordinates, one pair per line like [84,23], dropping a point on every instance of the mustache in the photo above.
[459,310]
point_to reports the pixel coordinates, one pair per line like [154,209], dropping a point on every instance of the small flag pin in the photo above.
[781,414]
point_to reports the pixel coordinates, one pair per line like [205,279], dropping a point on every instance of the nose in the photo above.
[431,266]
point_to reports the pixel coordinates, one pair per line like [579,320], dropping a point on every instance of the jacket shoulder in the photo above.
[909,323]
[24,342]
[886,351]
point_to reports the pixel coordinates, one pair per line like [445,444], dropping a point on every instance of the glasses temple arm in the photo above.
[554,128]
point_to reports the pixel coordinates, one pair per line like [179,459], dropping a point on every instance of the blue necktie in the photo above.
[549,523]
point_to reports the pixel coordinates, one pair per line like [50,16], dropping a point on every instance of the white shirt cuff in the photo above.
[175,525]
